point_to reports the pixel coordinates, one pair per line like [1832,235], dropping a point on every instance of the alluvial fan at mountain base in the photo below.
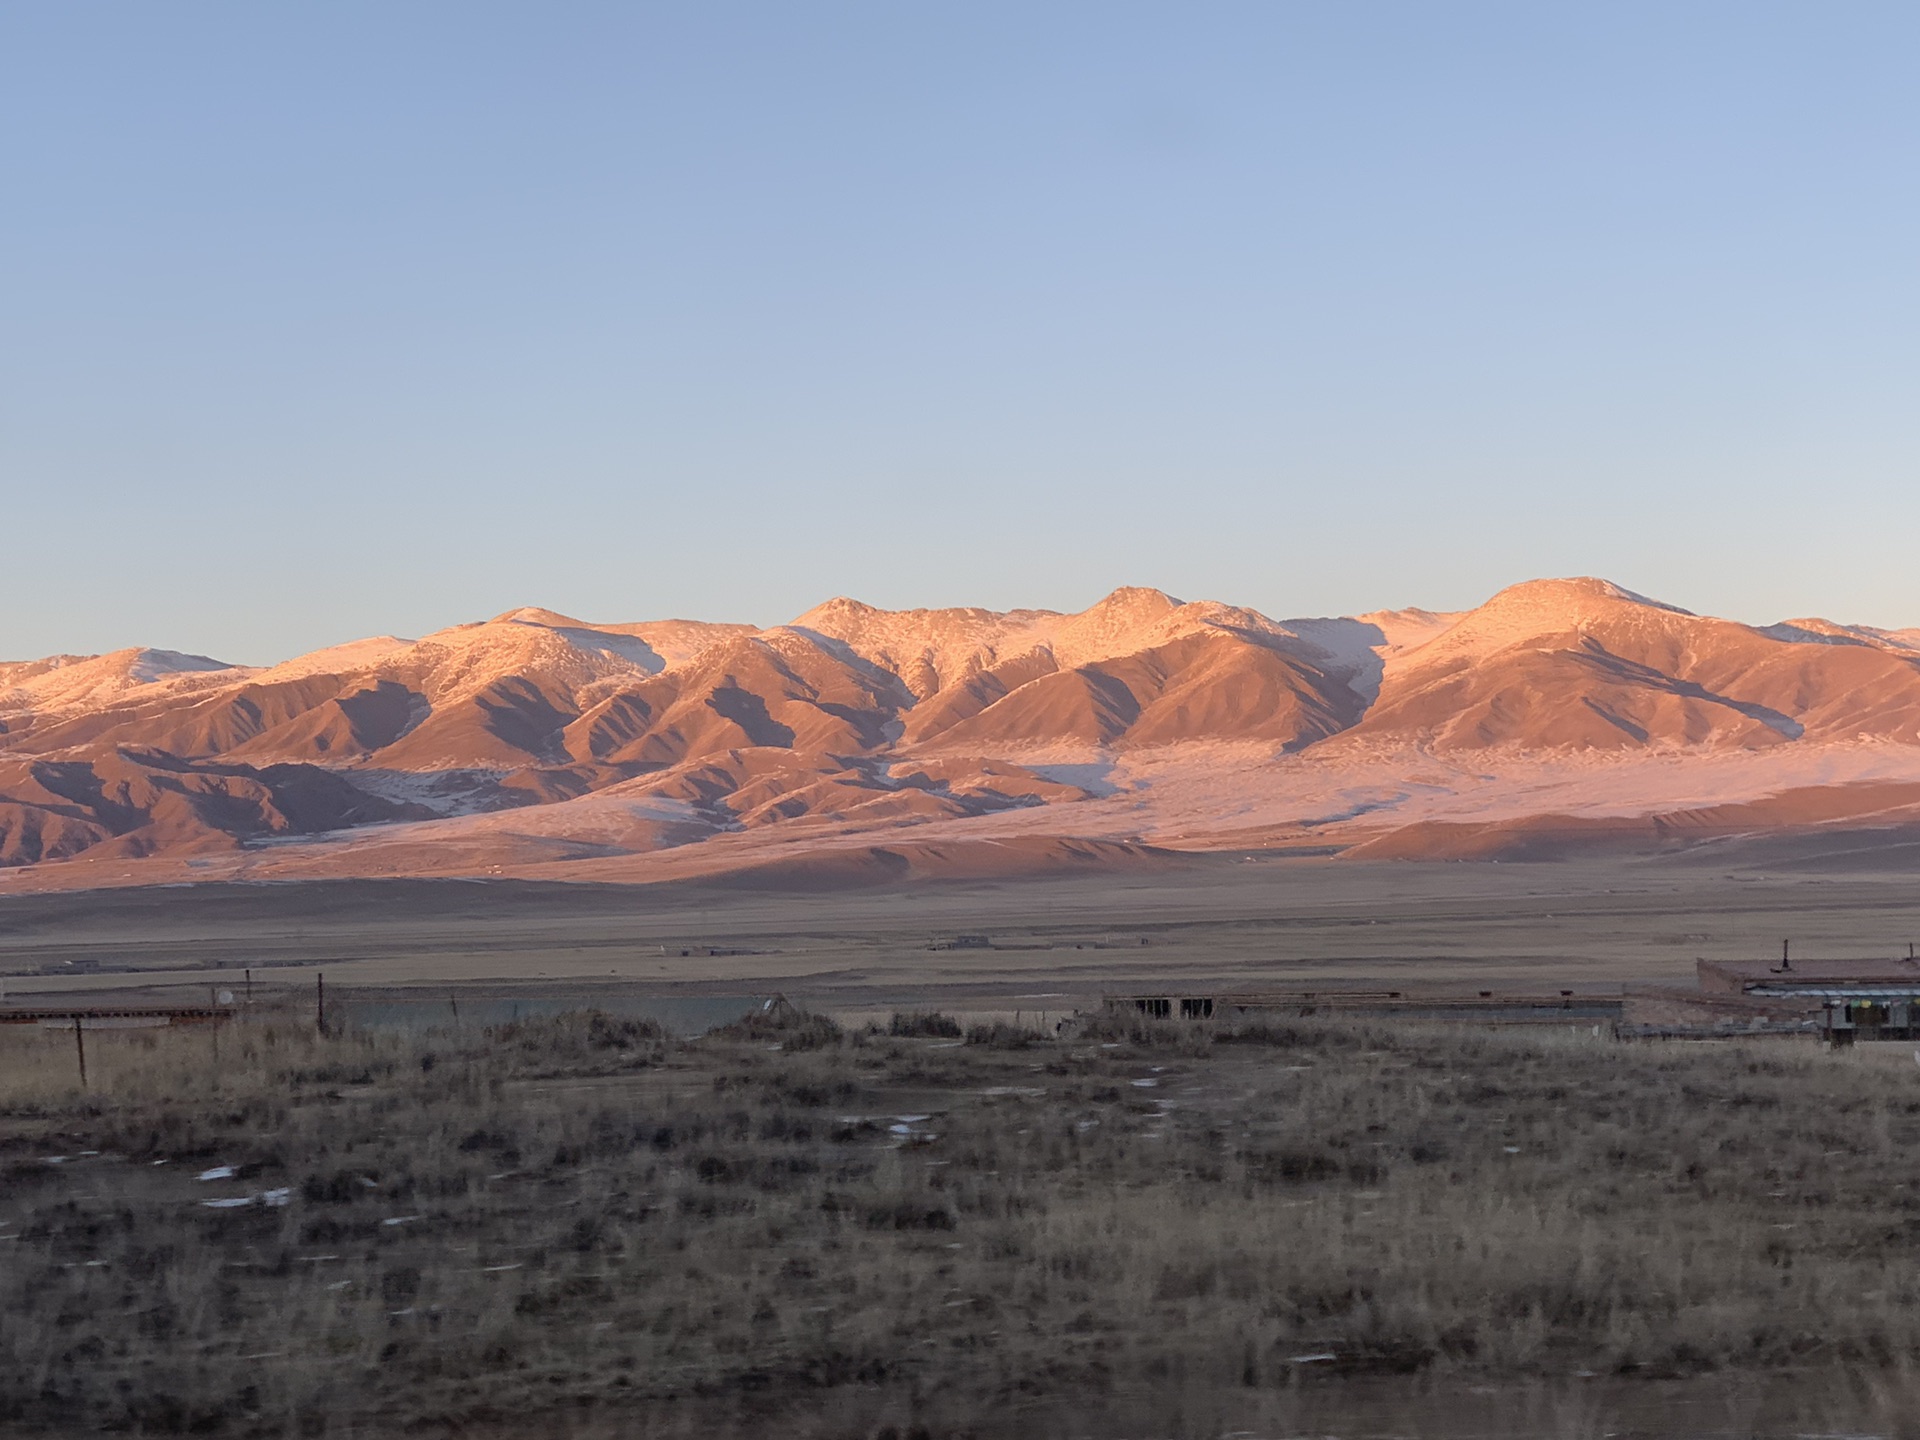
[857,745]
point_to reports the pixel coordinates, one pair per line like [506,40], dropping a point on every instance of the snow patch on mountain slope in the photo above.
[929,649]
[1359,646]
[670,642]
[333,660]
[1533,611]
[148,666]
[1815,631]
[1202,795]
[62,683]
[454,664]
[444,792]
[933,649]
[605,818]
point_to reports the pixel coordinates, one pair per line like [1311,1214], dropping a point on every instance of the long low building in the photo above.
[1877,999]
[1487,1006]
[1790,977]
[1842,1000]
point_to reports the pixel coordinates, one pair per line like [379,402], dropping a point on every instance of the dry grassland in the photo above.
[581,1223]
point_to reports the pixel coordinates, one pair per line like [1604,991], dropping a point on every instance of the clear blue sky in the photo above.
[330,319]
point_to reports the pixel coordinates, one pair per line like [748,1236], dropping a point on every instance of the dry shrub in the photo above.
[923,1024]
[786,1025]
[1316,1032]
[1144,1032]
[583,1034]
[1001,1036]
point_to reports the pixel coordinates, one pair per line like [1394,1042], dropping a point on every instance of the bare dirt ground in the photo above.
[1055,944]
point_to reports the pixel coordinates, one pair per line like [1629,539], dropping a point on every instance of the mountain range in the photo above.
[857,743]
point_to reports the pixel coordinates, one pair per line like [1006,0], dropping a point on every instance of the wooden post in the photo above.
[80,1045]
[213,1021]
[249,989]
[320,1002]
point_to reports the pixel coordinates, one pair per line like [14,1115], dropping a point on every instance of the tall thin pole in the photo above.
[320,1003]
[249,989]
[80,1045]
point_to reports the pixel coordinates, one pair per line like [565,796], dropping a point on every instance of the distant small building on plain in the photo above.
[1852,999]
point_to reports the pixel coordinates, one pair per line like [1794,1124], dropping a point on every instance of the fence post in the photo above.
[80,1045]
[320,1002]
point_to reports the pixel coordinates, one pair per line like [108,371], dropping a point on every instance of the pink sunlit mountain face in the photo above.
[874,744]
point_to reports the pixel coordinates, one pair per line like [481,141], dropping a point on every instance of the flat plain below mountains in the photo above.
[1041,948]
[858,747]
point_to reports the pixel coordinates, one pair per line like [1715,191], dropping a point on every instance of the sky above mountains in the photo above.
[328,321]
